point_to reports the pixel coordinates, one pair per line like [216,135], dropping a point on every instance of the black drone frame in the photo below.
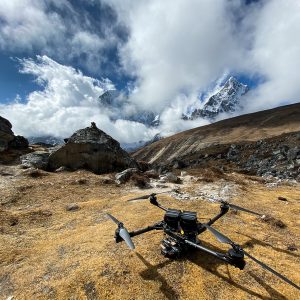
[178,242]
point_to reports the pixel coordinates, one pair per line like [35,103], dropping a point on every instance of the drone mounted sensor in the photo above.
[181,230]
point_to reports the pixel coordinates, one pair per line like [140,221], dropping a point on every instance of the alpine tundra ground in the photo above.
[48,252]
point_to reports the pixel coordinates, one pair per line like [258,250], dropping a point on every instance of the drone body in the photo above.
[181,230]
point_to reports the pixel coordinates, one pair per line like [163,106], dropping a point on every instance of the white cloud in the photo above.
[25,25]
[177,46]
[58,29]
[67,102]
[180,46]
[275,54]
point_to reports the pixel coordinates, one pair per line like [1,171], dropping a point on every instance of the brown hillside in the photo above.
[249,127]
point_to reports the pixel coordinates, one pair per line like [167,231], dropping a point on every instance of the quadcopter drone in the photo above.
[181,230]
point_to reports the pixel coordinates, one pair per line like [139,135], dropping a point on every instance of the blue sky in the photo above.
[12,83]
[58,56]
[93,17]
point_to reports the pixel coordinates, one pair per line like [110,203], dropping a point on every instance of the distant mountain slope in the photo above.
[250,127]
[48,139]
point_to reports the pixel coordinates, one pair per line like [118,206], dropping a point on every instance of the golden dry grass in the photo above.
[47,252]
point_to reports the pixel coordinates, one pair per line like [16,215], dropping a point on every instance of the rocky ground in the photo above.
[57,243]
[273,157]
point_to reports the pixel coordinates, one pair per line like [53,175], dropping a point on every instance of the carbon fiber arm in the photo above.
[157,226]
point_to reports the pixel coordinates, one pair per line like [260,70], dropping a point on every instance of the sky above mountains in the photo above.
[58,56]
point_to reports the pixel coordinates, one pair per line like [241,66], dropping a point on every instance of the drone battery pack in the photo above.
[188,221]
[172,218]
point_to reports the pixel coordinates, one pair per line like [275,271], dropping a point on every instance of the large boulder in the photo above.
[6,134]
[91,148]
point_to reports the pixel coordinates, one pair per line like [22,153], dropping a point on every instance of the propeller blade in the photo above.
[113,219]
[124,234]
[140,198]
[271,270]
[147,196]
[243,209]
[220,237]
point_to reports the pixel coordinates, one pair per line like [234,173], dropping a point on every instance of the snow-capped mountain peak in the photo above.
[226,100]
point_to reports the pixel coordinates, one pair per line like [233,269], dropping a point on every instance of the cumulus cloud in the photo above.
[180,46]
[62,29]
[177,46]
[275,54]
[67,101]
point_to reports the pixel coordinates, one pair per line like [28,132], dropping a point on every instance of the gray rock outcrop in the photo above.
[91,148]
[37,159]
[6,134]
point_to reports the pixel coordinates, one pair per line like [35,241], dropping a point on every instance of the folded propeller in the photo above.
[224,239]
[147,196]
[123,232]
[233,206]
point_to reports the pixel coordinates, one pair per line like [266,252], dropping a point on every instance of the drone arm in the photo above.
[207,250]
[219,255]
[224,210]
[157,226]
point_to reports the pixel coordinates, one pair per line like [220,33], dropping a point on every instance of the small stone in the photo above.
[82,181]
[62,169]
[72,207]
[276,152]
[125,175]
[170,177]
[152,174]
[282,198]
[159,185]
[162,180]
[292,247]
